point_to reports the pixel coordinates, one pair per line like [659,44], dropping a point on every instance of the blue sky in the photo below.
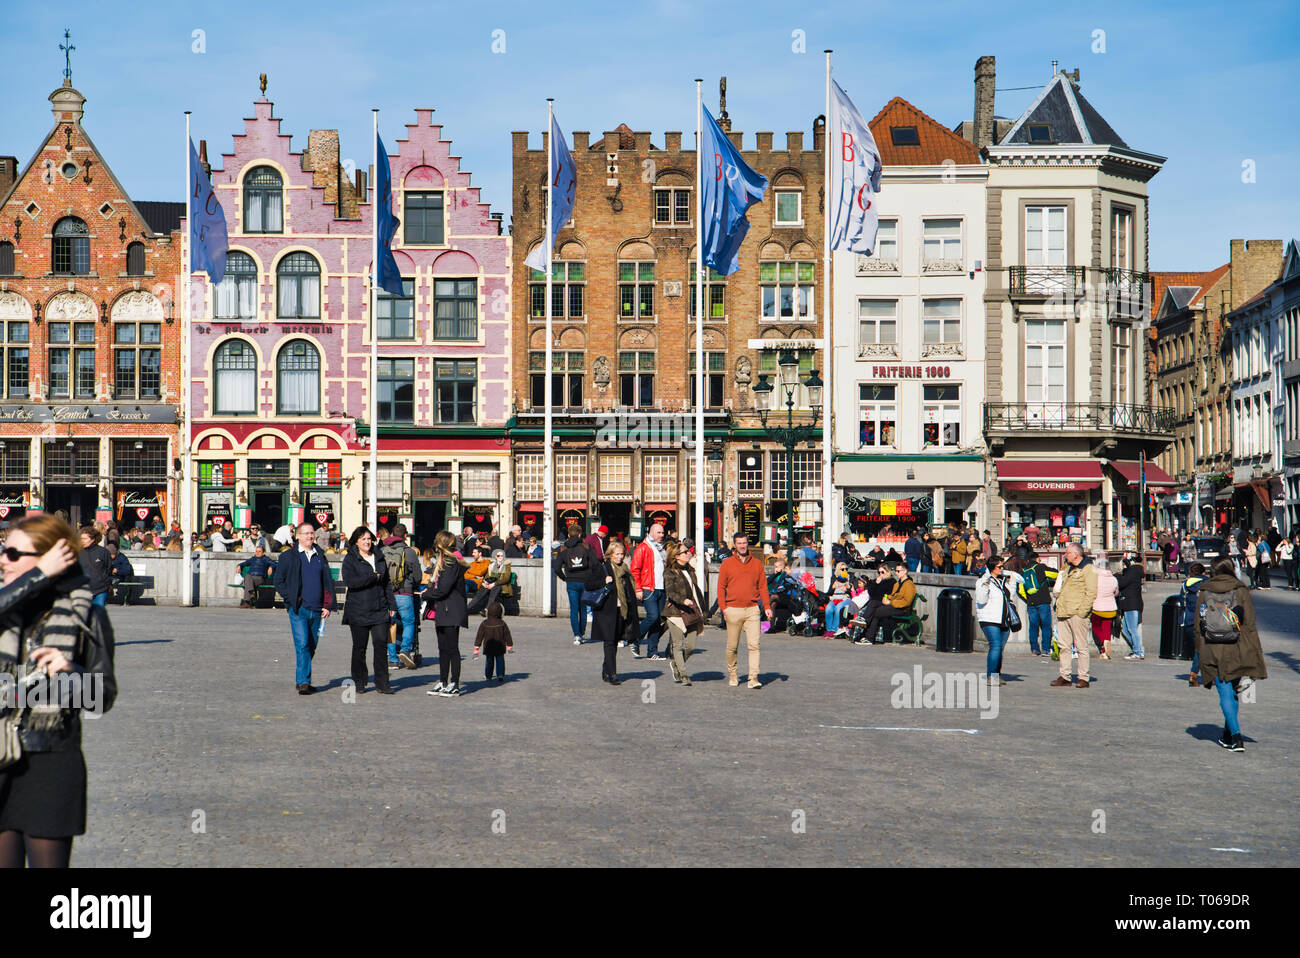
[1208,85]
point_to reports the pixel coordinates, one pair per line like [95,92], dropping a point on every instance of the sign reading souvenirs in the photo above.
[911,372]
[93,412]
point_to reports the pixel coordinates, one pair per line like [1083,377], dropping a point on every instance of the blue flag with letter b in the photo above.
[388,276]
[730,189]
[208,237]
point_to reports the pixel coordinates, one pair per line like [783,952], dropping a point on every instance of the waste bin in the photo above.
[1174,642]
[954,622]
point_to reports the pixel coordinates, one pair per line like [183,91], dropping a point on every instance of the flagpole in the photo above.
[372,487]
[830,521]
[698,492]
[548,454]
[187,506]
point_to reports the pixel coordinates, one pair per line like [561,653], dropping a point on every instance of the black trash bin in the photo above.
[1175,643]
[954,622]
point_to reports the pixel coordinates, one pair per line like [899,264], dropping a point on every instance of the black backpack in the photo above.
[577,560]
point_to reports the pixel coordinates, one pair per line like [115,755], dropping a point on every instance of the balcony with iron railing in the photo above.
[1120,292]
[1092,418]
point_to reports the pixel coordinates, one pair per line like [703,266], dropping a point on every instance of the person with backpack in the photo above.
[1227,644]
[1035,590]
[574,564]
[1191,585]
[404,577]
[1130,607]
[446,592]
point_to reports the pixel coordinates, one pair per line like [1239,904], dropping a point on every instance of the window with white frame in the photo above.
[715,375]
[787,290]
[615,472]
[530,476]
[941,415]
[571,477]
[941,321]
[1044,361]
[789,208]
[1045,236]
[1123,363]
[715,290]
[749,473]
[767,363]
[877,415]
[941,241]
[877,325]
[235,297]
[659,478]
[807,475]
[480,482]
[388,482]
[672,206]
[568,283]
[1121,239]
[885,256]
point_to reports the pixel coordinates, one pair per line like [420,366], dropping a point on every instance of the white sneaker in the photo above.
[577,640]
[622,645]
[437,688]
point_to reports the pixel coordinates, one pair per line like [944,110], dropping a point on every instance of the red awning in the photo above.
[1129,469]
[1048,475]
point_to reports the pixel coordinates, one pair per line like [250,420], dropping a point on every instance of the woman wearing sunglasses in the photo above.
[43,778]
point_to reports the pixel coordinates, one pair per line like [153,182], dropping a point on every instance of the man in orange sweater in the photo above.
[898,603]
[742,589]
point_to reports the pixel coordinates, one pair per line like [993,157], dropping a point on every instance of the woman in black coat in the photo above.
[368,608]
[446,592]
[1130,607]
[610,622]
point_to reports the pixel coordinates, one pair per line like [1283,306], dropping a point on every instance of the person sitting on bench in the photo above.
[119,570]
[494,583]
[257,571]
[896,606]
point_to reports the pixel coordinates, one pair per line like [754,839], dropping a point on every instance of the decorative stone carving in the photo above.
[712,339]
[636,336]
[600,371]
[71,306]
[933,350]
[867,265]
[943,266]
[13,306]
[138,305]
[744,372]
[878,351]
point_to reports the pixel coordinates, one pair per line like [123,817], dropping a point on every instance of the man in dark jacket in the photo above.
[255,571]
[845,551]
[119,570]
[1130,607]
[573,564]
[94,563]
[913,551]
[404,577]
[304,581]
[516,546]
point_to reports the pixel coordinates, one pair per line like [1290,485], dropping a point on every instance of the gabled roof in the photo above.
[1068,115]
[935,142]
[162,216]
[626,140]
[1291,261]
[1163,286]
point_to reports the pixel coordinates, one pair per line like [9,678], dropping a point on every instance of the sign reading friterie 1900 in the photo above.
[911,372]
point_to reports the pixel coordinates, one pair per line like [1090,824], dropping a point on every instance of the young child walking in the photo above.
[494,638]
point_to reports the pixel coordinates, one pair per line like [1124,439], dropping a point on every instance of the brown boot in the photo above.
[1193,680]
[1058,682]
[1082,684]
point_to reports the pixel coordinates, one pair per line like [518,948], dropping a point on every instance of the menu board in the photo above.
[751,520]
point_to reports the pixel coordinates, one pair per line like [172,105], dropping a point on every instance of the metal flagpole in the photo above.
[698,491]
[371,486]
[548,454]
[830,518]
[1142,510]
[187,506]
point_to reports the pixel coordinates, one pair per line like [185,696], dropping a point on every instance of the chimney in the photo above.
[985,74]
[361,186]
[203,158]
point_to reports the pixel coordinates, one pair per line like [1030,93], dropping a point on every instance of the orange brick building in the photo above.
[624,335]
[90,346]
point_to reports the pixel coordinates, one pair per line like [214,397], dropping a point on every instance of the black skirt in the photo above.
[43,794]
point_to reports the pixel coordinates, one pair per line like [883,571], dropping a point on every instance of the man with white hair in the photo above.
[1077,591]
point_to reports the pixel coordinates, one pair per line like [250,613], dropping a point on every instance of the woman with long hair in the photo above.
[993,610]
[609,622]
[446,592]
[684,600]
[44,637]
[369,607]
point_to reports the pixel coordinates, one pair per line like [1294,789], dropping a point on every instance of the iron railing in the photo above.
[1077,417]
[1046,281]
[1120,292]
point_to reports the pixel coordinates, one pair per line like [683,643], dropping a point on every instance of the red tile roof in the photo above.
[1162,281]
[937,142]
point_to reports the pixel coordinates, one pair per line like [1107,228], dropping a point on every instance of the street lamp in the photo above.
[715,473]
[769,402]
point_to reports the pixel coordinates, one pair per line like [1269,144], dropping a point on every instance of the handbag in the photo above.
[595,599]
[692,619]
[1010,617]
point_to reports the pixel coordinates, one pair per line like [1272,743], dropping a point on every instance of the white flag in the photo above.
[563,188]
[855,177]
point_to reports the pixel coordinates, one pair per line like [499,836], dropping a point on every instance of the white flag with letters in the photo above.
[855,177]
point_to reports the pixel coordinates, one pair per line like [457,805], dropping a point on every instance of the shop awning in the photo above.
[1048,475]
[1262,492]
[1158,480]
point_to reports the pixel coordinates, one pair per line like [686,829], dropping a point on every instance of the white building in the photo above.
[909,349]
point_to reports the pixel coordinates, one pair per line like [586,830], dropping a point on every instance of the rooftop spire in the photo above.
[67,49]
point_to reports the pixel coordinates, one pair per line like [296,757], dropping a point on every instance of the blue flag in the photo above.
[730,189]
[390,277]
[563,188]
[208,237]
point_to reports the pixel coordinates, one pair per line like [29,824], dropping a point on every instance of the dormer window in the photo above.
[1040,133]
[904,136]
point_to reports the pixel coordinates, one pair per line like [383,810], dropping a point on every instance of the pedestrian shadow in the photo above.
[1286,658]
[1206,732]
[765,677]
[143,642]
[630,676]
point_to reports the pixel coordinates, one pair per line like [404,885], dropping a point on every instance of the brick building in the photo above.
[624,339]
[91,349]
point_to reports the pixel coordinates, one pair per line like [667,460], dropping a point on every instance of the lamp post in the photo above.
[790,435]
[715,473]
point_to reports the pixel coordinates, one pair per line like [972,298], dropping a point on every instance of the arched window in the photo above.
[135,259]
[71,246]
[236,294]
[263,201]
[235,372]
[297,375]
[298,281]
[6,258]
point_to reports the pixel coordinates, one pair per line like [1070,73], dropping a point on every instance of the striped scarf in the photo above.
[59,628]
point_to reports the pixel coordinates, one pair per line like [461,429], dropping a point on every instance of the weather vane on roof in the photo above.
[67,49]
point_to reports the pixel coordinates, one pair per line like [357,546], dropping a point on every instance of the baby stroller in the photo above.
[787,601]
[811,617]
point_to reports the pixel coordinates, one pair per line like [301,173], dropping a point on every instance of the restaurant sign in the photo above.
[93,412]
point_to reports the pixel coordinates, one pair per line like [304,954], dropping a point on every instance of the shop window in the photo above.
[615,473]
[941,415]
[529,477]
[74,460]
[749,472]
[388,482]
[479,483]
[877,416]
[807,476]
[16,461]
[140,460]
[659,478]
[16,359]
[571,477]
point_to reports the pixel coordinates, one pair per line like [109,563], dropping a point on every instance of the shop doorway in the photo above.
[268,509]
[430,519]
[77,501]
[616,515]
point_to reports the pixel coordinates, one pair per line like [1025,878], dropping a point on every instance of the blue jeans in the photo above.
[406,616]
[1132,626]
[491,662]
[577,611]
[1039,625]
[834,609]
[997,637]
[912,564]
[959,568]
[1228,702]
[650,630]
[100,599]
[305,626]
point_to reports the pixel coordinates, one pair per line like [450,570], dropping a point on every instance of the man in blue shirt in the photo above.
[913,550]
[303,579]
[255,570]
